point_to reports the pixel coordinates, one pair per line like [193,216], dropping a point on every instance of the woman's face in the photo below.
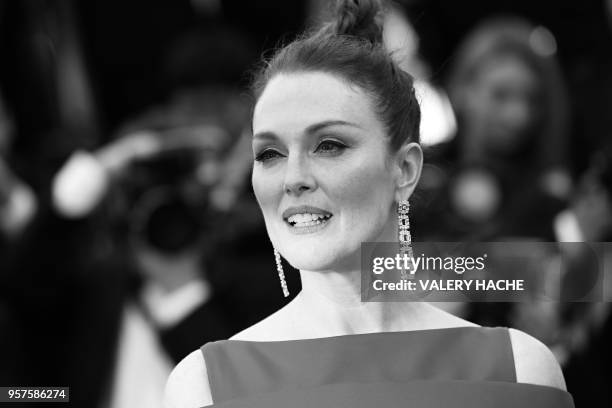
[323,173]
[503,103]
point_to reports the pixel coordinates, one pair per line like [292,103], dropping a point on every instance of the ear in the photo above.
[409,162]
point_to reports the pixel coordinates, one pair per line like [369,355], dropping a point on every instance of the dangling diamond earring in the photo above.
[281,273]
[405,240]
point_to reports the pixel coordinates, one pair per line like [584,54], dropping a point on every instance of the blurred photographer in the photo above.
[505,172]
[166,187]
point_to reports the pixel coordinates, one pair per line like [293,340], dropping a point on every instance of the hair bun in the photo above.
[359,18]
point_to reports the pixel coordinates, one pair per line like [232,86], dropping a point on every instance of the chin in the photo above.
[308,260]
[322,257]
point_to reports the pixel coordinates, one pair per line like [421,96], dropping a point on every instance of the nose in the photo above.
[298,177]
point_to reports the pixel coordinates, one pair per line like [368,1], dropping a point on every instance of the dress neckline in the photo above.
[361,335]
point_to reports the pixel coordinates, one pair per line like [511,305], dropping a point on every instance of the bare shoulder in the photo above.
[534,362]
[445,315]
[188,386]
[272,328]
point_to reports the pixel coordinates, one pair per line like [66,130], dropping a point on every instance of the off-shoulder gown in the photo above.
[452,367]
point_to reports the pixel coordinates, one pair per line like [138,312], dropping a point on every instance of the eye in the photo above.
[267,154]
[330,147]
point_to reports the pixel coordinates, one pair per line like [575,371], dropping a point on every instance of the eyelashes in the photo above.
[325,148]
[267,154]
[330,147]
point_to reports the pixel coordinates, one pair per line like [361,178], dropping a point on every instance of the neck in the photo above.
[330,305]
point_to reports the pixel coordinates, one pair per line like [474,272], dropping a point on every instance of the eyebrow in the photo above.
[310,129]
[328,123]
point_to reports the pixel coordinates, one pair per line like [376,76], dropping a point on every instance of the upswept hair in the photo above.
[351,47]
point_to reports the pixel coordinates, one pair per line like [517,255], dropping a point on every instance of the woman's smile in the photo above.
[306,219]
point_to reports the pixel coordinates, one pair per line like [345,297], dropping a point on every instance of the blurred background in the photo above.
[129,234]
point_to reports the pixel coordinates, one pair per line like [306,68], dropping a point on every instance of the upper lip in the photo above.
[304,209]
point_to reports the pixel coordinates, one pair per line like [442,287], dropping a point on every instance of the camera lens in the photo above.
[167,221]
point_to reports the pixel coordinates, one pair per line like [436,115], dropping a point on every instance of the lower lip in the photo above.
[309,229]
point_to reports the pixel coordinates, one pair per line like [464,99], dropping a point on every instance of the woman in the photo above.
[336,149]
[508,175]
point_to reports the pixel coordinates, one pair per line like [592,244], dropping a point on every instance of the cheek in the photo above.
[364,192]
[266,189]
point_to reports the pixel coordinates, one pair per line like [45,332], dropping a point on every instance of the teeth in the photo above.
[307,219]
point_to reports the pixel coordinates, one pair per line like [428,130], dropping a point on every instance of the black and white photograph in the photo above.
[306,203]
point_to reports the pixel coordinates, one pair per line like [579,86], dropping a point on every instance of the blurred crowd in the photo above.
[129,235]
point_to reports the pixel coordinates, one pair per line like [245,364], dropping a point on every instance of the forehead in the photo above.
[508,70]
[295,101]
